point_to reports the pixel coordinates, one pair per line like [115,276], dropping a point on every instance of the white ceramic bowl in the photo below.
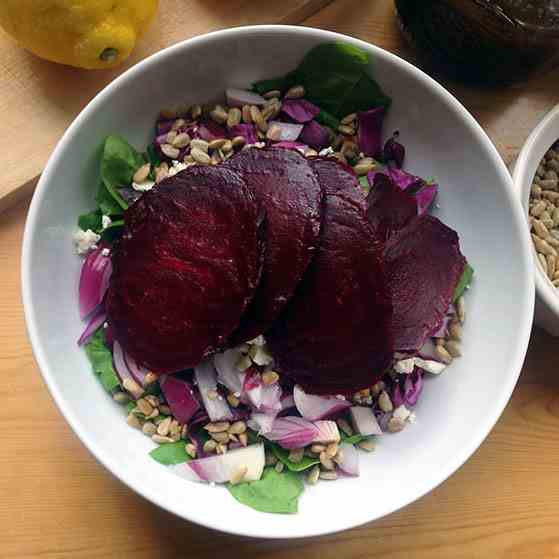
[457,410]
[540,140]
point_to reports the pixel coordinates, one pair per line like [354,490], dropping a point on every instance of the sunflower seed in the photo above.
[238,475]
[274,133]
[313,475]
[295,92]
[543,262]
[133,421]
[217,427]
[326,461]
[453,347]
[362,169]
[234,117]
[318,448]
[149,428]
[164,409]
[551,265]
[209,446]
[443,354]
[170,151]
[221,437]
[246,114]
[331,450]
[542,246]
[181,141]
[233,400]
[368,445]
[270,377]
[536,191]
[190,450]
[121,397]
[159,439]
[219,114]
[144,406]
[161,172]
[279,467]
[296,455]
[540,229]
[395,424]
[142,173]
[549,184]
[243,439]
[221,448]
[384,402]
[238,141]
[455,330]
[461,309]
[346,130]
[237,428]
[200,157]
[538,208]
[330,476]
[348,119]
[212,394]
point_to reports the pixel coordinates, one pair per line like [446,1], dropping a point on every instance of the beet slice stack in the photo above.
[185,269]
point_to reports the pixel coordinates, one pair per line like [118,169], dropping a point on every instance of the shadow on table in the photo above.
[542,360]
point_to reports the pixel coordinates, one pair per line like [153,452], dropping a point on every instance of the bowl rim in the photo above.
[525,167]
[444,96]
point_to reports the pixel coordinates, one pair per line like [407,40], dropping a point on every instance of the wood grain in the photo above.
[59,503]
[39,99]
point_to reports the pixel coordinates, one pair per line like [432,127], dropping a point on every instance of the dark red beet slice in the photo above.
[334,335]
[185,269]
[389,207]
[423,265]
[285,185]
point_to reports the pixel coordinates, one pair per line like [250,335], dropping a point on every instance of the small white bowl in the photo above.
[457,409]
[544,135]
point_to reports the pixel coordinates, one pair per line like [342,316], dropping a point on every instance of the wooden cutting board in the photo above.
[39,99]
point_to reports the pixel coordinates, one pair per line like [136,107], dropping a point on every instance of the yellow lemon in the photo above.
[83,33]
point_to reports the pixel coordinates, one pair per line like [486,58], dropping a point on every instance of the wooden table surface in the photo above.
[58,502]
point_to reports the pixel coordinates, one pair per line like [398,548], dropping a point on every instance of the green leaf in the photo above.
[324,117]
[113,231]
[170,453]
[282,84]
[130,406]
[101,360]
[364,182]
[274,492]
[355,439]
[107,204]
[91,220]
[154,159]
[283,455]
[365,95]
[464,281]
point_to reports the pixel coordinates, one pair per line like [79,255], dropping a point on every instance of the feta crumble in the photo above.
[326,152]
[106,221]
[176,167]
[85,240]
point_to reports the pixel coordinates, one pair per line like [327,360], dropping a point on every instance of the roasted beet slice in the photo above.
[389,207]
[286,186]
[423,265]
[185,269]
[334,335]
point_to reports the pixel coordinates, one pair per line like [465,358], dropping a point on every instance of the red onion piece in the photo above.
[227,372]
[133,388]
[315,135]
[314,407]
[219,468]
[94,280]
[287,401]
[252,389]
[96,321]
[300,110]
[261,422]
[349,463]
[370,131]
[180,397]
[216,407]
[328,432]
[289,132]
[292,432]
[240,97]
[247,131]
[137,371]
[210,131]
[271,398]
[365,421]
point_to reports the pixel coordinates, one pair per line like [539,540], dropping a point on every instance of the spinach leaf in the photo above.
[324,117]
[170,453]
[464,281]
[101,360]
[274,492]
[282,84]
[364,96]
[107,203]
[364,182]
[91,220]
[355,439]
[283,455]
[119,163]
[154,159]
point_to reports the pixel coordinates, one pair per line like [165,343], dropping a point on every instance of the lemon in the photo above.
[83,33]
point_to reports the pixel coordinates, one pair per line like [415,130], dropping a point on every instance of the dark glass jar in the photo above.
[483,41]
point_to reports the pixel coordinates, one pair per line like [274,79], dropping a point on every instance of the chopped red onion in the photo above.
[315,135]
[364,421]
[138,372]
[328,432]
[261,422]
[300,110]
[349,462]
[240,97]
[133,388]
[370,131]
[219,468]
[314,407]
[287,401]
[227,372]
[94,280]
[247,131]
[180,397]
[210,131]
[292,432]
[215,405]
[96,321]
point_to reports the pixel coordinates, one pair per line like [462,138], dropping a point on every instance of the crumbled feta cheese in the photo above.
[405,366]
[85,240]
[105,325]
[143,186]
[262,357]
[105,252]
[176,167]
[256,145]
[326,151]
[433,367]
[412,417]
[401,412]
[106,221]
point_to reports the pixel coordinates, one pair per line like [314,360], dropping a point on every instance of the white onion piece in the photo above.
[126,379]
[261,422]
[405,366]
[240,97]
[227,372]
[349,463]
[328,432]
[220,468]
[364,421]
[216,408]
[271,398]
[314,407]
[289,132]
